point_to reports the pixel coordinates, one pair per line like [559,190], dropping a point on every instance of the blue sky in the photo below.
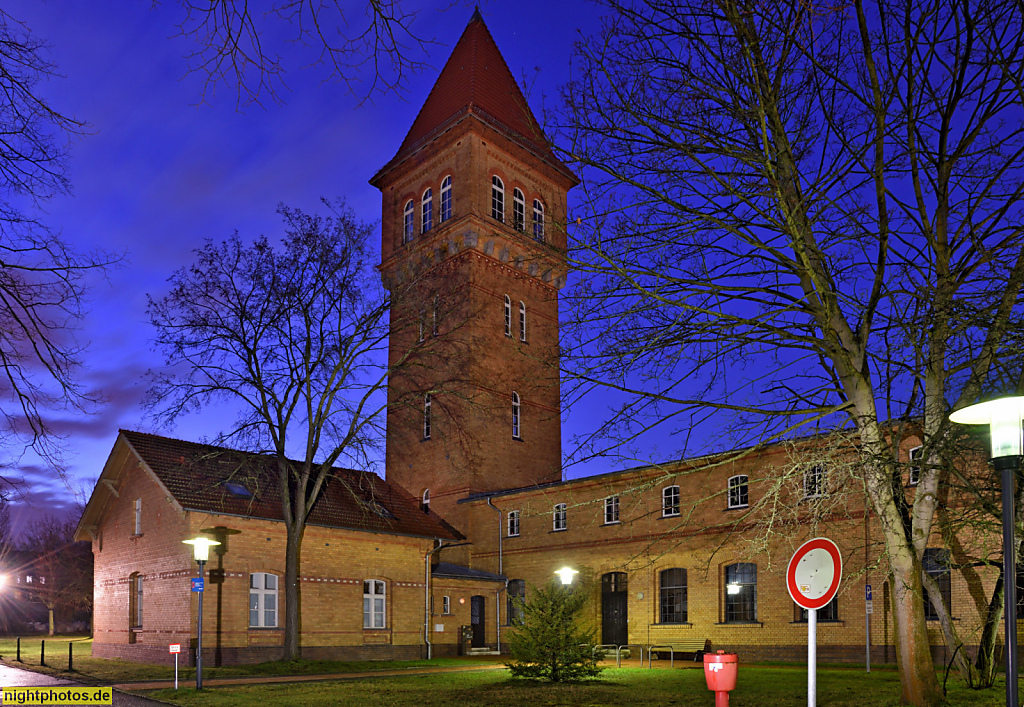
[159,169]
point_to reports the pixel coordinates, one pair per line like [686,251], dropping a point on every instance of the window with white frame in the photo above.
[410,225]
[134,599]
[446,199]
[916,455]
[262,600]
[425,502]
[518,210]
[497,199]
[611,509]
[670,501]
[374,603]
[814,481]
[508,316]
[737,490]
[538,220]
[559,518]
[516,431]
[138,516]
[513,524]
[426,416]
[446,605]
[427,209]
[522,321]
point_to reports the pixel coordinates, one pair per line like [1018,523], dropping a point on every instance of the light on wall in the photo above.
[566,574]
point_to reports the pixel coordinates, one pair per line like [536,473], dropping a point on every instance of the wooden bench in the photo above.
[697,646]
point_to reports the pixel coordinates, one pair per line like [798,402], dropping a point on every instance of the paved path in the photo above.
[16,677]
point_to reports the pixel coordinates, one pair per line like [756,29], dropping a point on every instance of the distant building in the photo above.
[473,241]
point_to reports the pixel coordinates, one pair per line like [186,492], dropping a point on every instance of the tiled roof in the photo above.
[476,79]
[213,479]
[447,569]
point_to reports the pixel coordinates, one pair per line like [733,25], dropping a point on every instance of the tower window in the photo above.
[515,415]
[409,223]
[508,316]
[428,210]
[434,323]
[522,321]
[446,199]
[513,524]
[559,521]
[425,504]
[497,200]
[518,210]
[538,220]
[426,416]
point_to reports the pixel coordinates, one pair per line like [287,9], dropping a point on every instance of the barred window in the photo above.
[673,596]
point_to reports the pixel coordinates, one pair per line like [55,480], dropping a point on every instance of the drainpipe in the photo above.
[501,568]
[426,596]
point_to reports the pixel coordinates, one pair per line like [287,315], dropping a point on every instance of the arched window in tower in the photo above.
[518,210]
[515,415]
[426,416]
[409,223]
[425,505]
[428,210]
[434,326]
[538,220]
[446,199]
[423,324]
[497,199]
[508,316]
[522,321]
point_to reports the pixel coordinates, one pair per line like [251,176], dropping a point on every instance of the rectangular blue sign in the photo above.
[867,592]
[197,584]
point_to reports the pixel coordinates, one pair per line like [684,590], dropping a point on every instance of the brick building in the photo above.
[473,212]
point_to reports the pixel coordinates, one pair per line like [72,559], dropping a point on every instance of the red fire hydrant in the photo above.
[720,672]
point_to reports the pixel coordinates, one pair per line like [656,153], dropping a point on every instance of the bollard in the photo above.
[42,652]
[71,659]
[19,649]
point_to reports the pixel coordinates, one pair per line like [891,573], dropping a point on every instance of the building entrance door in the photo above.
[476,620]
[614,603]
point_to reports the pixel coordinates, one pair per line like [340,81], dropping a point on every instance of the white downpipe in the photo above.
[501,568]
[426,597]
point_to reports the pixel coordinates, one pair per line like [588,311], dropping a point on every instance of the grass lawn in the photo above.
[103,670]
[758,686]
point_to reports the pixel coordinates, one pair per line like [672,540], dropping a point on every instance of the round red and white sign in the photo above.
[814,573]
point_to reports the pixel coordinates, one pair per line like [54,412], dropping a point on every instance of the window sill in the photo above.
[512,536]
[517,439]
[741,624]
[738,508]
[672,623]
[379,629]
[833,622]
[265,629]
[613,522]
[671,515]
[135,536]
[558,530]
[425,439]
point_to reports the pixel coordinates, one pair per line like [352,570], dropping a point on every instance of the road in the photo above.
[16,677]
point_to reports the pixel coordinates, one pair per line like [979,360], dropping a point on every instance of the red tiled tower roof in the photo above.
[477,80]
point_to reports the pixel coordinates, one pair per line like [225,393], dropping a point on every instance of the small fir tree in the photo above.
[552,642]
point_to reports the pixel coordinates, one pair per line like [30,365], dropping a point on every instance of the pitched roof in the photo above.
[477,80]
[212,479]
[453,571]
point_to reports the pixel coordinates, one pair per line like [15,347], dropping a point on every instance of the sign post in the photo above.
[197,586]
[813,579]
[176,650]
[869,608]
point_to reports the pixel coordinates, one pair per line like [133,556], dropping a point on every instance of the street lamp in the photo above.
[201,553]
[566,574]
[1003,417]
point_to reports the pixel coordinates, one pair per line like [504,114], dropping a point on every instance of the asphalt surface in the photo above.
[16,677]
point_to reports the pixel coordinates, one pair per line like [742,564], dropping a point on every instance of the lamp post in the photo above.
[201,553]
[1003,416]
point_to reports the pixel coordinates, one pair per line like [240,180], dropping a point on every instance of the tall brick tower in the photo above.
[474,210]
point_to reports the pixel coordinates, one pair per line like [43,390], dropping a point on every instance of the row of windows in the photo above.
[263,605]
[518,208]
[508,319]
[517,407]
[427,211]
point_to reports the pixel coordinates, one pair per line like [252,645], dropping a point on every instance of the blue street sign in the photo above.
[867,592]
[197,584]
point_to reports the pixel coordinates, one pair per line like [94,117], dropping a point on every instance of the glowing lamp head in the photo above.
[566,574]
[1003,416]
[201,548]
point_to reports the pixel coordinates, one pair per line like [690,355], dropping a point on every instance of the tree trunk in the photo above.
[913,651]
[49,610]
[987,664]
[291,590]
[956,647]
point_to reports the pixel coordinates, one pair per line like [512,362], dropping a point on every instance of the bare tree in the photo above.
[42,280]
[806,216]
[236,42]
[61,568]
[296,339]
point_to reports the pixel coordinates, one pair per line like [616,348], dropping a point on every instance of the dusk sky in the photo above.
[160,169]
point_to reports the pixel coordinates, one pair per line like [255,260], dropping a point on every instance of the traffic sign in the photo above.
[869,606]
[867,592]
[175,648]
[814,573]
[197,584]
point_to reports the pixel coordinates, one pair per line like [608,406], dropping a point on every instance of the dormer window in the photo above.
[497,199]
[518,210]
[428,210]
